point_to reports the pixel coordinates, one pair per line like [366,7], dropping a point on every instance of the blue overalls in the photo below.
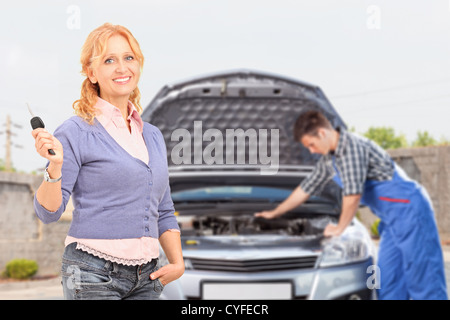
[410,258]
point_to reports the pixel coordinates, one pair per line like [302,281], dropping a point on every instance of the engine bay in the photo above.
[208,225]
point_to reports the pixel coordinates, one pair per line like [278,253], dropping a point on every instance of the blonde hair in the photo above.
[93,49]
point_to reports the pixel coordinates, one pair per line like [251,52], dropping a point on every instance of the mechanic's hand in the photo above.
[332,230]
[168,273]
[45,141]
[267,214]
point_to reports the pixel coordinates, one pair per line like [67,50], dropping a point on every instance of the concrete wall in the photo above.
[431,167]
[22,234]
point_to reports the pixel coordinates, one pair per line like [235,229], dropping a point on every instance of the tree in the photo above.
[424,139]
[444,141]
[386,137]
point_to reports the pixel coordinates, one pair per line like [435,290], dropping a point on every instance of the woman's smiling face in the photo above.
[118,71]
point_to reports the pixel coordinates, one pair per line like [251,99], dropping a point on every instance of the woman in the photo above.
[115,168]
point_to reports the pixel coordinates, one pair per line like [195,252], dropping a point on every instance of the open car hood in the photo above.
[246,100]
[251,101]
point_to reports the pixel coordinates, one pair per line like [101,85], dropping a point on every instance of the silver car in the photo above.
[231,153]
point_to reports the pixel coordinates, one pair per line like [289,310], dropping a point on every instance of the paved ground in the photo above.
[51,289]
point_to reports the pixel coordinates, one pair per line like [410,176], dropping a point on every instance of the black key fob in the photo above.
[37,122]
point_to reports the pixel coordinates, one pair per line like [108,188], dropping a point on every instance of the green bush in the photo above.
[374,228]
[21,268]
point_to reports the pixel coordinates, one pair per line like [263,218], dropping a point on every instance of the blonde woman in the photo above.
[115,168]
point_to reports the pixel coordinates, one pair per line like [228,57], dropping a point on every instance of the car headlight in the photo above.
[351,246]
[188,264]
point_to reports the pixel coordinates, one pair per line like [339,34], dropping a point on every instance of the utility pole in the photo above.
[8,166]
[9,144]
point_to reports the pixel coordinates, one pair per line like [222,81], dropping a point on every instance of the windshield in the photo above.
[226,193]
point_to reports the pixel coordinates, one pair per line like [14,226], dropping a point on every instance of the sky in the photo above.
[380,63]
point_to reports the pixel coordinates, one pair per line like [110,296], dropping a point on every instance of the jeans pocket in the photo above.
[83,277]
[82,283]
[92,279]
[159,287]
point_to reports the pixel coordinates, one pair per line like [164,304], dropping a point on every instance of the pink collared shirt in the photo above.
[123,251]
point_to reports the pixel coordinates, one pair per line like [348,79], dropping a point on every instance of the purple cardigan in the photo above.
[115,195]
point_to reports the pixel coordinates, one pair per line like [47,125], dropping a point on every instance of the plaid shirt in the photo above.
[356,159]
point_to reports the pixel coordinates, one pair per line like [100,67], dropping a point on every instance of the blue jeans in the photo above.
[87,277]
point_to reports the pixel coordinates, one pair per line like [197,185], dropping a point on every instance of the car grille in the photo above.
[253,265]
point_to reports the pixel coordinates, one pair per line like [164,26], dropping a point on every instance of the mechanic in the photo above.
[410,256]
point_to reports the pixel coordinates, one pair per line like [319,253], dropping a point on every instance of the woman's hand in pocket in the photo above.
[168,273]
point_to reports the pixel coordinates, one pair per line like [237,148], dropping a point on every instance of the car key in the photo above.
[37,122]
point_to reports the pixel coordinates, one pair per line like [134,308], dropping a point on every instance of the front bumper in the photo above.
[338,282]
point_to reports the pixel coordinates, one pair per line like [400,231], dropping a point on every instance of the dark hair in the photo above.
[308,123]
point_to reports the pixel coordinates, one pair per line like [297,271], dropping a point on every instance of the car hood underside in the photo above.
[245,100]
